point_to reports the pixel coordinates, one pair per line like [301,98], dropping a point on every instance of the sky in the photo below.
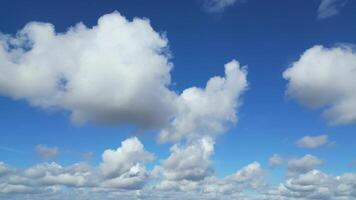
[192,99]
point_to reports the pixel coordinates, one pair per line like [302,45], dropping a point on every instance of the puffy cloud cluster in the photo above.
[329,8]
[311,142]
[303,164]
[53,181]
[116,72]
[316,185]
[329,73]
[206,111]
[90,72]
[123,169]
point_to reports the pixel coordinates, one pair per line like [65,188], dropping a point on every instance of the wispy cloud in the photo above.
[8,149]
[217,6]
[329,8]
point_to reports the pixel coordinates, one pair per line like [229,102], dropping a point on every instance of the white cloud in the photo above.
[275,160]
[249,177]
[216,6]
[329,8]
[329,73]
[124,167]
[207,111]
[116,72]
[46,152]
[303,165]
[190,162]
[311,142]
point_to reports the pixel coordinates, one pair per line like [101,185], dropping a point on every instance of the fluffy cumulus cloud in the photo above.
[46,152]
[121,169]
[329,73]
[329,8]
[188,163]
[303,164]
[216,6]
[116,72]
[125,167]
[206,111]
[311,142]
[90,71]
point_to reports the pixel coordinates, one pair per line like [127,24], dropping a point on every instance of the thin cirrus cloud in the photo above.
[96,80]
[330,73]
[218,6]
[330,8]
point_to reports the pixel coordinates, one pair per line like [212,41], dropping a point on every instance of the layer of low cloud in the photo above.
[324,78]
[117,72]
[82,181]
[312,142]
[330,8]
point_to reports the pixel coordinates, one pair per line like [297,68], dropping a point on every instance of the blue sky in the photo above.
[274,110]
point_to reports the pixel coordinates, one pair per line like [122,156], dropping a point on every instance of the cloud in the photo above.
[117,72]
[124,167]
[328,72]
[275,160]
[189,162]
[311,142]
[330,8]
[46,152]
[206,111]
[250,177]
[3,168]
[87,156]
[303,165]
[81,181]
[216,6]
[120,169]
[90,71]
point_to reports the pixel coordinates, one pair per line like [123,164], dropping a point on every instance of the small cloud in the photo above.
[217,6]
[330,8]
[275,160]
[303,165]
[311,142]
[46,152]
[87,156]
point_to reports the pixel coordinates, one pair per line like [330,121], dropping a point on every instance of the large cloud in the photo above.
[325,78]
[116,72]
